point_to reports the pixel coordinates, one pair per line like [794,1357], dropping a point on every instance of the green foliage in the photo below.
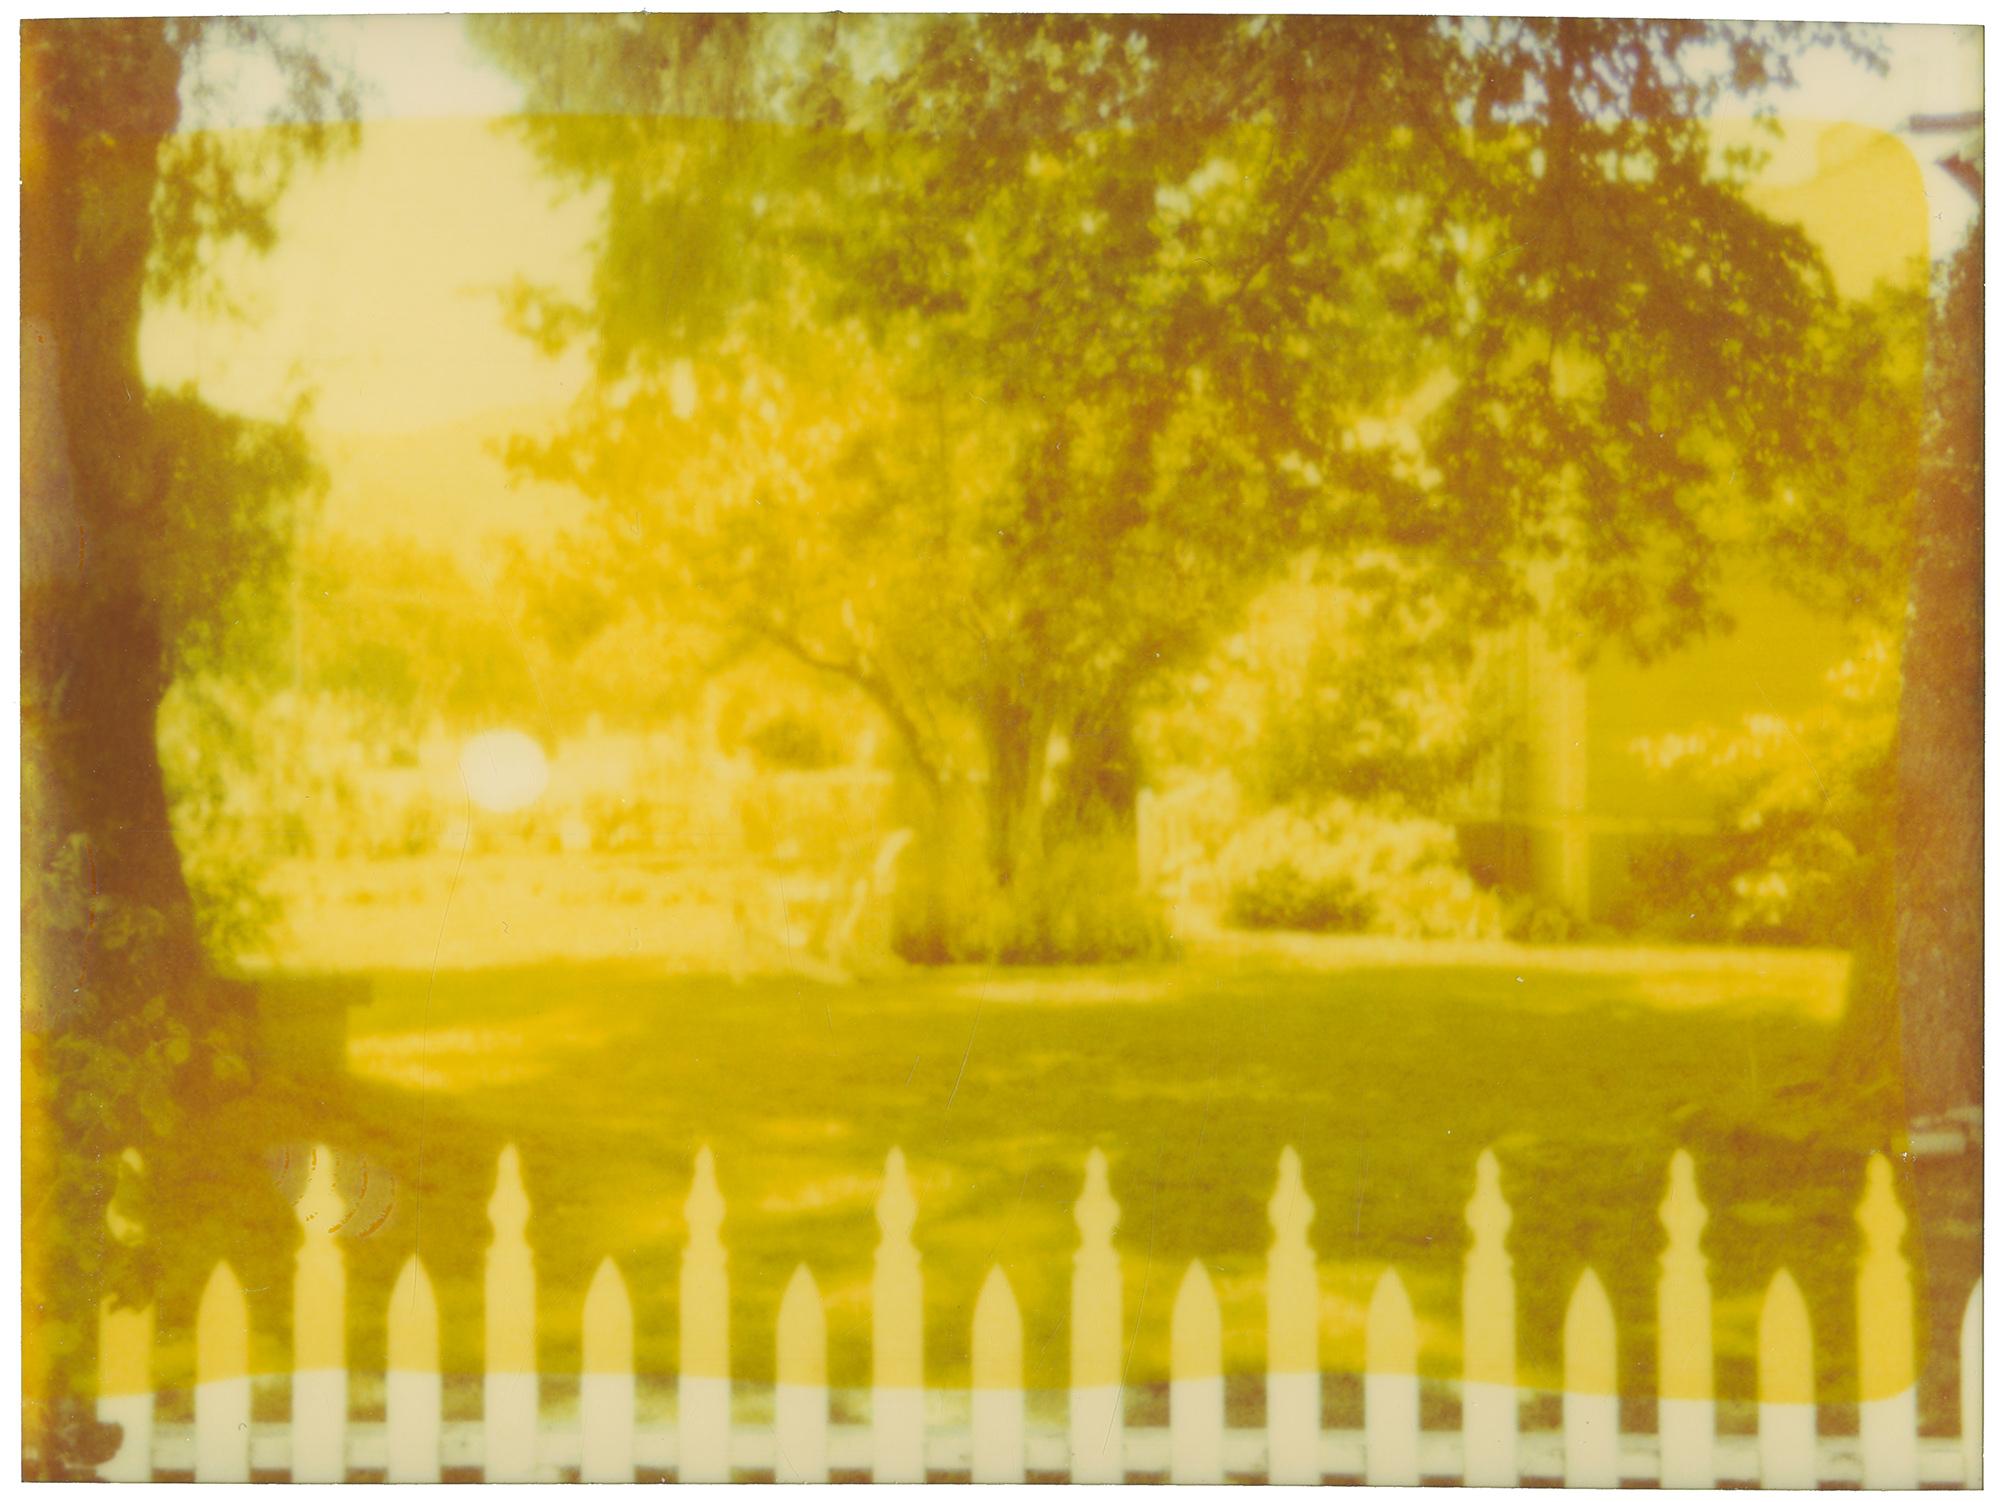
[1355,678]
[994,364]
[1806,809]
[122,1077]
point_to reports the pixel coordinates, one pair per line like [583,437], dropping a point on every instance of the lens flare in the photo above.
[504,770]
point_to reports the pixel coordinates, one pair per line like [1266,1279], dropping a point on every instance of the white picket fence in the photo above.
[605,1442]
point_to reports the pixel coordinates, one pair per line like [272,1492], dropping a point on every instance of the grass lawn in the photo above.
[1388,1069]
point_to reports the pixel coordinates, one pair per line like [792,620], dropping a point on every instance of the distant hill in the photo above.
[446,487]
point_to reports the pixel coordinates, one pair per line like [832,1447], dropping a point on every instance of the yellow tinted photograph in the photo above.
[1002,748]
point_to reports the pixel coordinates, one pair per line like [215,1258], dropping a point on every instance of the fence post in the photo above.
[1687,1338]
[319,1330]
[704,1378]
[1972,1386]
[999,1407]
[1491,1402]
[222,1380]
[1590,1387]
[1195,1397]
[1886,1334]
[607,1389]
[899,1332]
[801,1394]
[513,1386]
[125,1353]
[1787,1413]
[415,1396]
[1389,1390]
[1096,1332]
[1291,1337]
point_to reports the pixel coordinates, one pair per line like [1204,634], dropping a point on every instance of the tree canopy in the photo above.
[994,363]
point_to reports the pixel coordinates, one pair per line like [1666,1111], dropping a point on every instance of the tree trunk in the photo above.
[1098,796]
[108,926]
[1017,758]
[94,661]
[1939,761]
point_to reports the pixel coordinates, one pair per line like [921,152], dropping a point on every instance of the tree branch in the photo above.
[874,685]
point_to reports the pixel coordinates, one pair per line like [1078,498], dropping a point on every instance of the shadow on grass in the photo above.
[1389,1081]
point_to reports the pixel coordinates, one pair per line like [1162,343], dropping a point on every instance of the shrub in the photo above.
[1341,868]
[790,742]
[1806,826]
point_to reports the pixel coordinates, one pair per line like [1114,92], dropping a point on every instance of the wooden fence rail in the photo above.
[605,1442]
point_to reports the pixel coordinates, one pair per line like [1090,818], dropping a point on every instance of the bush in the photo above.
[1806,832]
[1341,868]
[1083,906]
[789,742]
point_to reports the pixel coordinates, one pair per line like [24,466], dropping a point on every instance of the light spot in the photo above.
[504,770]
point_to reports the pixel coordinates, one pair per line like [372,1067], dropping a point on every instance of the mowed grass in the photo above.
[1387,1073]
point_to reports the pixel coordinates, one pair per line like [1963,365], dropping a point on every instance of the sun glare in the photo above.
[504,770]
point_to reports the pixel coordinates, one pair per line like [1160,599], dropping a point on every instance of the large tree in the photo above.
[149,523]
[993,363]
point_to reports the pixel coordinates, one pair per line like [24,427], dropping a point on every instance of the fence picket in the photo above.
[1096,1332]
[1491,1401]
[414,1444]
[1886,1334]
[1972,1386]
[1590,1387]
[704,1375]
[513,1383]
[898,1397]
[1390,1388]
[1687,1338]
[415,1390]
[222,1380]
[1787,1420]
[1195,1400]
[999,1406]
[319,1330]
[608,1391]
[1291,1341]
[801,1387]
[125,1354]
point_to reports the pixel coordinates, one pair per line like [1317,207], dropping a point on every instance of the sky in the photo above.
[381,298]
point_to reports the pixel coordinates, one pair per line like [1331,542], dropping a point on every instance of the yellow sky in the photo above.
[380,293]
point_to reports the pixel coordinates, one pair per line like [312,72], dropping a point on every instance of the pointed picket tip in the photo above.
[1487,1213]
[222,1328]
[413,1321]
[704,1208]
[802,1332]
[1291,1208]
[1682,1212]
[320,1209]
[1096,1211]
[1590,1340]
[1784,1344]
[119,1217]
[896,1210]
[1885,1338]
[607,1323]
[1880,1214]
[996,1336]
[1392,1328]
[1197,1331]
[507,1210]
